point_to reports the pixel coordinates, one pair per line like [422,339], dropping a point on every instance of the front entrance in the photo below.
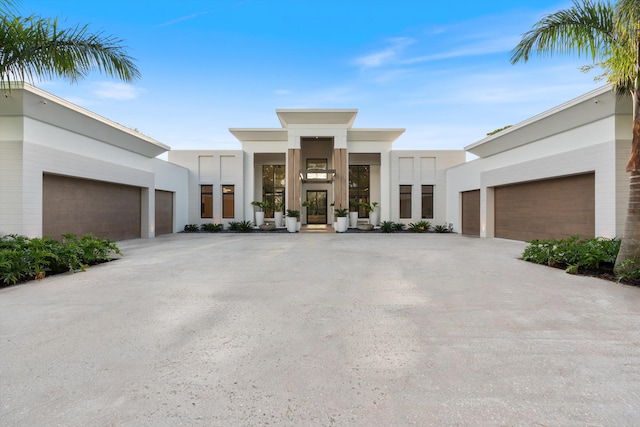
[317,210]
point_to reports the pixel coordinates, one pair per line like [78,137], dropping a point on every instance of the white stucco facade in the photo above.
[315,157]
[590,134]
[42,134]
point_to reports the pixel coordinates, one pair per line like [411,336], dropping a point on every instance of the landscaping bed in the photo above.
[588,257]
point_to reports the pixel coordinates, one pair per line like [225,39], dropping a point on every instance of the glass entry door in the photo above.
[317,210]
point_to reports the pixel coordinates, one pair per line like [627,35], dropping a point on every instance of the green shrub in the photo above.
[387,226]
[419,227]
[191,228]
[398,226]
[573,253]
[241,226]
[211,228]
[443,228]
[24,259]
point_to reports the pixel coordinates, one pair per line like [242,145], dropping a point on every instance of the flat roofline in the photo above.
[76,108]
[555,110]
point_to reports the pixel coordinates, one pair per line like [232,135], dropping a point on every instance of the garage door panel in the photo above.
[164,212]
[81,206]
[553,208]
[471,212]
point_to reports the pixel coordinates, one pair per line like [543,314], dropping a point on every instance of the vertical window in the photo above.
[405,201]
[228,201]
[359,188]
[273,187]
[206,201]
[427,201]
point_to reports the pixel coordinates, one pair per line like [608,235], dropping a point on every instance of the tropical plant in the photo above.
[446,228]
[241,226]
[292,213]
[610,36]
[387,226]
[341,213]
[33,47]
[191,228]
[23,259]
[262,206]
[419,227]
[278,206]
[211,228]
[574,253]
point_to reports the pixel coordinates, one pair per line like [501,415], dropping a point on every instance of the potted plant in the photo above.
[353,215]
[260,213]
[341,215]
[278,209]
[373,214]
[292,220]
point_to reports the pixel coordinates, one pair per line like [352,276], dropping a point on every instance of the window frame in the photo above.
[427,194]
[226,200]
[206,198]
[405,196]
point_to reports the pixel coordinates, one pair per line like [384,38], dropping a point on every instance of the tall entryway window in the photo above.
[359,177]
[317,209]
[273,188]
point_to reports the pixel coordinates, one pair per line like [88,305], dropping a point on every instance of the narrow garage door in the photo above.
[551,208]
[81,206]
[471,213]
[164,212]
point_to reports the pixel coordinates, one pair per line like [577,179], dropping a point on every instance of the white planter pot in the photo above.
[353,219]
[277,216]
[342,224]
[373,218]
[298,225]
[259,218]
[292,224]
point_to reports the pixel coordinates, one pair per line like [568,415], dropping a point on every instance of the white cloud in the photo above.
[282,92]
[387,55]
[182,19]
[114,90]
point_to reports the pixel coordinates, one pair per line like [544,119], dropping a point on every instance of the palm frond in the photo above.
[586,28]
[36,47]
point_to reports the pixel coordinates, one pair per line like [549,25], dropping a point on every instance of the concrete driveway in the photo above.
[320,329]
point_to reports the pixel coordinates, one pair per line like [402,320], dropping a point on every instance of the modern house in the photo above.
[66,169]
[318,157]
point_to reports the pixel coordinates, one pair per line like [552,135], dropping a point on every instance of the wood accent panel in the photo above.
[81,206]
[341,178]
[293,178]
[164,212]
[550,208]
[471,212]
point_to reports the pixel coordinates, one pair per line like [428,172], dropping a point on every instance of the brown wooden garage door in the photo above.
[81,206]
[164,212]
[471,212]
[551,208]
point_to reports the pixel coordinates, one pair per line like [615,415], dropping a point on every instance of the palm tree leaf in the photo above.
[586,29]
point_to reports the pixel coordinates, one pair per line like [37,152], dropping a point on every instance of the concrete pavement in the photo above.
[320,329]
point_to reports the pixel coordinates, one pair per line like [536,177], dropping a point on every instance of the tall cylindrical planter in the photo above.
[292,224]
[373,218]
[353,219]
[277,217]
[259,218]
[342,224]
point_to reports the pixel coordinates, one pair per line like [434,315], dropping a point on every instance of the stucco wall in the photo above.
[212,167]
[588,148]
[417,168]
[50,149]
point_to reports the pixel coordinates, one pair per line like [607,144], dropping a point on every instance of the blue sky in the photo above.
[442,73]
